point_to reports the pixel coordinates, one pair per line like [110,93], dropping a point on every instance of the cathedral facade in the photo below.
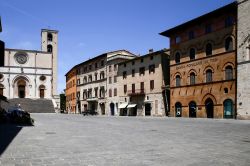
[30,73]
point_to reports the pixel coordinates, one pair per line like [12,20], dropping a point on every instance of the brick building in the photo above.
[70,91]
[203,65]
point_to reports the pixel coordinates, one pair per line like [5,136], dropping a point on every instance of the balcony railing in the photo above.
[136,92]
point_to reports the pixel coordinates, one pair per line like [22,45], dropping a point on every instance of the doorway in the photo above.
[228,108]
[192,109]
[21,84]
[112,109]
[147,109]
[209,104]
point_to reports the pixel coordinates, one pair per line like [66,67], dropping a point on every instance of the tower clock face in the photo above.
[21,58]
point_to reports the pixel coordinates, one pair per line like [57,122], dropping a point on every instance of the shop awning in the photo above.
[131,106]
[92,99]
[148,101]
[123,105]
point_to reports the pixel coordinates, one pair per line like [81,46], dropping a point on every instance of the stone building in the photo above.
[203,65]
[141,85]
[94,79]
[70,91]
[113,59]
[31,73]
[243,59]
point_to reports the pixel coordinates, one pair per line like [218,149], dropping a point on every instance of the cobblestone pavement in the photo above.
[58,139]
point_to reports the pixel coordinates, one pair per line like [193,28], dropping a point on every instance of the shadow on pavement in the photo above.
[7,134]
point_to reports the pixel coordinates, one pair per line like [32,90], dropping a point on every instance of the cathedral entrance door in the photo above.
[21,91]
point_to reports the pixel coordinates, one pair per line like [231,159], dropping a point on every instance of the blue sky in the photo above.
[88,28]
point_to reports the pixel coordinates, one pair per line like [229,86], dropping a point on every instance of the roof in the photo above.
[225,9]
[94,58]
[149,54]
[49,30]
[35,51]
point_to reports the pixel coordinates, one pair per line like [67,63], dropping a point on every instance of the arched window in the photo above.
[177,57]
[209,75]
[229,73]
[229,44]
[178,80]
[192,54]
[228,108]
[192,78]
[209,49]
[49,37]
[178,109]
[49,48]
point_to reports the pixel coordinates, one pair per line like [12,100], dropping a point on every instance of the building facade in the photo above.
[70,91]
[30,73]
[96,87]
[203,65]
[141,85]
[243,59]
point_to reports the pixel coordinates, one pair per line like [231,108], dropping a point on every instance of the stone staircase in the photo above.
[32,105]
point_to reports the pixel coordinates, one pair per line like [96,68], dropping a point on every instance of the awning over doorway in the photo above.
[123,105]
[148,101]
[131,106]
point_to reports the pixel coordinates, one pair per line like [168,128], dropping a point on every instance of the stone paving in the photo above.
[58,139]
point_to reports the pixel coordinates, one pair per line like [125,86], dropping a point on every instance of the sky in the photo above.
[88,28]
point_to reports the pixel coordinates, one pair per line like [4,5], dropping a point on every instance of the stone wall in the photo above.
[243,58]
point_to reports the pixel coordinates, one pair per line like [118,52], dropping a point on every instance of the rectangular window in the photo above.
[124,75]
[125,89]
[177,39]
[133,88]
[90,78]
[78,95]
[191,35]
[102,63]
[142,60]
[110,68]
[142,86]
[208,28]
[115,92]
[142,70]
[78,82]
[229,21]
[96,76]
[133,62]
[110,92]
[152,84]
[115,79]
[152,69]
[90,67]
[133,73]
[96,92]
[124,64]
[110,80]
[115,67]
[96,65]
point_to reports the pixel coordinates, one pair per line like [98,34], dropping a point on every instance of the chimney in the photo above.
[151,50]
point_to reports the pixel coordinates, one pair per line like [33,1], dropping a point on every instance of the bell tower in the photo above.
[50,44]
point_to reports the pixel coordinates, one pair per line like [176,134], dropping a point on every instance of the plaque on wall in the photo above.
[21,58]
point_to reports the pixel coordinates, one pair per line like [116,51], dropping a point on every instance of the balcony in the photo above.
[136,92]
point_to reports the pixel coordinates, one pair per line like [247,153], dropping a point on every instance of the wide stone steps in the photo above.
[32,105]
